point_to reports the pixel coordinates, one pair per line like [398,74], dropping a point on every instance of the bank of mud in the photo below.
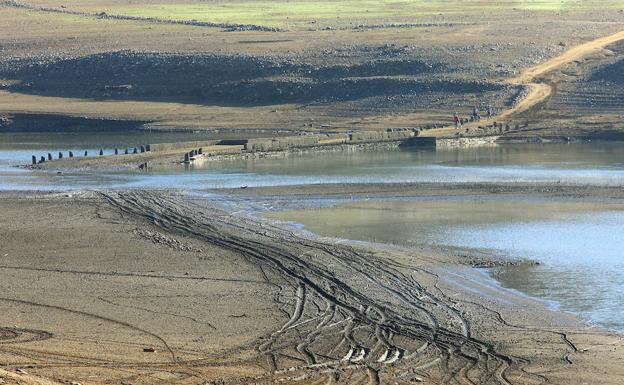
[323,311]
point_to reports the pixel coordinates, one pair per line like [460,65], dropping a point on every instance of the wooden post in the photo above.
[42,160]
[49,156]
[101,152]
[34,159]
[126,151]
[135,151]
[60,155]
[116,152]
[71,154]
[142,149]
[187,159]
[201,150]
[85,153]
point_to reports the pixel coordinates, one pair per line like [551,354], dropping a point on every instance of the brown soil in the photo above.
[347,78]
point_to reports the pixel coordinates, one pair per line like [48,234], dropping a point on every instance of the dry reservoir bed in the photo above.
[92,283]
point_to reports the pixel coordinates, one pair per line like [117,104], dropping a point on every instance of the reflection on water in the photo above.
[583,257]
[580,245]
[580,163]
[583,266]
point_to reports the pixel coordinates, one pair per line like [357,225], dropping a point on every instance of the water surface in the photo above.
[580,245]
[575,163]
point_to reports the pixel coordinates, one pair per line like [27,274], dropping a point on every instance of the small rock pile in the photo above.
[163,239]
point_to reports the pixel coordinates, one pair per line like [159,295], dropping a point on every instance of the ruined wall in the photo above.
[277,144]
[181,145]
[468,142]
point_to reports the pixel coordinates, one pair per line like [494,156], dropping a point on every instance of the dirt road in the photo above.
[539,91]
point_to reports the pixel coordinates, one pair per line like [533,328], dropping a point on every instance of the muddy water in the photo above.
[580,245]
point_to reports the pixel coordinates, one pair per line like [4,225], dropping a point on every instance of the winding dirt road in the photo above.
[538,90]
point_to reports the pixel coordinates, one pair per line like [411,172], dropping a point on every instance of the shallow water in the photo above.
[580,245]
[580,163]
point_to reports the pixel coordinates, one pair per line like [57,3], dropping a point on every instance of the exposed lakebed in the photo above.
[580,246]
[579,243]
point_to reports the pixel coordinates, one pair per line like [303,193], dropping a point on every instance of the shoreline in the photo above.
[224,153]
[175,221]
[313,213]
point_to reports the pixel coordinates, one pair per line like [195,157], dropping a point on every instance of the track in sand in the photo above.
[354,316]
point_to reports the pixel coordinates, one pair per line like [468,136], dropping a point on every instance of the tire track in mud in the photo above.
[391,320]
[10,335]
[131,275]
[113,303]
[95,316]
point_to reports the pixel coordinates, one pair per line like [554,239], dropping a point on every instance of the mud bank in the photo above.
[25,122]
[259,303]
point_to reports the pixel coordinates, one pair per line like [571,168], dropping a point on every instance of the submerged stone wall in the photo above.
[285,143]
[181,145]
[468,142]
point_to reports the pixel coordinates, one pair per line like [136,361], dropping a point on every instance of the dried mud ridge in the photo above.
[104,15]
[353,316]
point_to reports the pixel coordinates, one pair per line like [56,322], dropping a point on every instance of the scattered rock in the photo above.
[163,239]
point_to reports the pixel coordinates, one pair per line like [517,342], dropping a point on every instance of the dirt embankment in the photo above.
[234,80]
[64,123]
[540,82]
[592,86]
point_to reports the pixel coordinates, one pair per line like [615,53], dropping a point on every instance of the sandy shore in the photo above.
[93,282]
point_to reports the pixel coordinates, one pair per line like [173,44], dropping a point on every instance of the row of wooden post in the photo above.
[71,154]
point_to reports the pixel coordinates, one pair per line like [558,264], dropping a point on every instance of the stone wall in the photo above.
[468,142]
[285,143]
[181,145]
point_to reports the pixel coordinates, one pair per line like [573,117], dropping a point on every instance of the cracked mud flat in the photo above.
[247,302]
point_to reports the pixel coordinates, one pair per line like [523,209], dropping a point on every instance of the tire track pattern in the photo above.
[354,316]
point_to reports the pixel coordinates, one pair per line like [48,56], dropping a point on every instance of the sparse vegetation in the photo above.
[340,13]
